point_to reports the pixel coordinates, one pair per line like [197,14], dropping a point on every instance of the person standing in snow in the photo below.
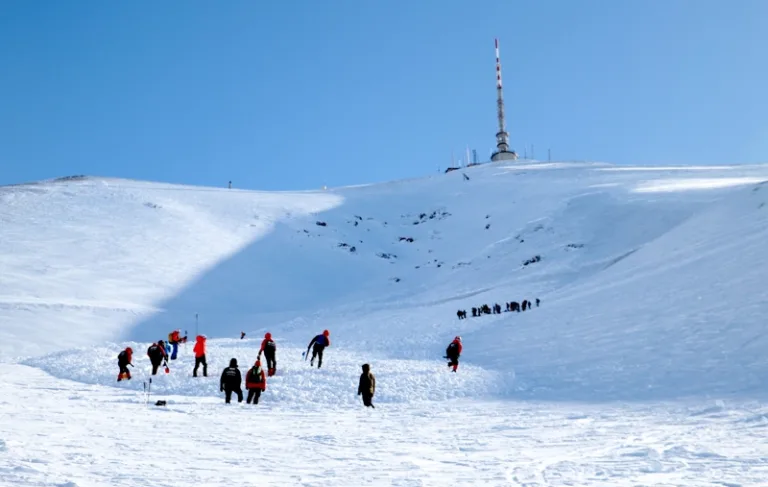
[367,386]
[124,359]
[200,355]
[317,345]
[174,338]
[156,353]
[231,381]
[453,352]
[255,382]
[269,349]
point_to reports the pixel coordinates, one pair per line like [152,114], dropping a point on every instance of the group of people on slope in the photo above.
[231,379]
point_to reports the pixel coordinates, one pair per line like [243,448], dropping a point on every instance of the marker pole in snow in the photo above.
[149,391]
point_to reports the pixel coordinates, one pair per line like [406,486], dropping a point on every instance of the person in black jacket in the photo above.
[124,359]
[156,353]
[367,386]
[231,381]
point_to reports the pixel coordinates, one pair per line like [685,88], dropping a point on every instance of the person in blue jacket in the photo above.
[317,345]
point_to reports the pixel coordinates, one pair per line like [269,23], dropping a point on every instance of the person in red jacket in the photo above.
[268,348]
[174,338]
[255,382]
[124,359]
[453,352]
[200,355]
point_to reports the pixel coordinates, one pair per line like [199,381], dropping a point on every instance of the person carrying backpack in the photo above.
[199,350]
[255,382]
[318,344]
[269,348]
[174,338]
[156,353]
[231,381]
[124,359]
[453,352]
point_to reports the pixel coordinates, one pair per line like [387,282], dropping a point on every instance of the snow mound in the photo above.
[296,382]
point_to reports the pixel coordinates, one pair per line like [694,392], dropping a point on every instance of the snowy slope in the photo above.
[652,289]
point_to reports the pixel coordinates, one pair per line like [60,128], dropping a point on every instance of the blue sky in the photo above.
[296,95]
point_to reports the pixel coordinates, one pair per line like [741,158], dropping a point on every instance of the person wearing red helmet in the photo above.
[124,359]
[317,345]
[453,352]
[255,382]
[200,355]
[268,348]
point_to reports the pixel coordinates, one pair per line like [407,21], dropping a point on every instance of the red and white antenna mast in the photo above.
[502,137]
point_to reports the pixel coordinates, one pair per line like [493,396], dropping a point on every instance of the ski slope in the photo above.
[644,365]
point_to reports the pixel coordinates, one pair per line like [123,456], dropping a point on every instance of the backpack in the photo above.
[452,349]
[255,375]
[269,346]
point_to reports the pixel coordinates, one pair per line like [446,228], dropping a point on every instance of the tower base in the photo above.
[503,156]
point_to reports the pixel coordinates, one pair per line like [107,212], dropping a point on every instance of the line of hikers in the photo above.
[496,309]
[255,380]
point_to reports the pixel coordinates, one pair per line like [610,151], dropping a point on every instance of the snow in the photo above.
[644,365]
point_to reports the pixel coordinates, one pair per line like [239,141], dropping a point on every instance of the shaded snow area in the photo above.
[644,364]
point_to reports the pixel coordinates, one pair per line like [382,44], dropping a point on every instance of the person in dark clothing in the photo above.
[474,312]
[124,359]
[525,304]
[367,386]
[255,382]
[453,352]
[538,302]
[269,349]
[231,381]
[156,353]
[317,345]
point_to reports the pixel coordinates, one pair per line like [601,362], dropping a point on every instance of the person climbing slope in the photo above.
[199,350]
[124,359]
[317,345]
[255,382]
[269,349]
[453,352]
[174,338]
[156,353]
[367,386]
[230,382]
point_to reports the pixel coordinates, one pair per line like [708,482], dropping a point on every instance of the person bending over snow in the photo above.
[318,344]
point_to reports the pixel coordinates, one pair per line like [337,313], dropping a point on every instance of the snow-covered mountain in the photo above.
[652,289]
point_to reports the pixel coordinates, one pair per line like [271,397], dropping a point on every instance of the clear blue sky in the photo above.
[295,95]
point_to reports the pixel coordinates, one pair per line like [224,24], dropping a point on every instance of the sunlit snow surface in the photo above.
[644,365]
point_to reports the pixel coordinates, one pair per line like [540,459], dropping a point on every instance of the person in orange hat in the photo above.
[124,359]
[268,348]
[255,382]
[318,344]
